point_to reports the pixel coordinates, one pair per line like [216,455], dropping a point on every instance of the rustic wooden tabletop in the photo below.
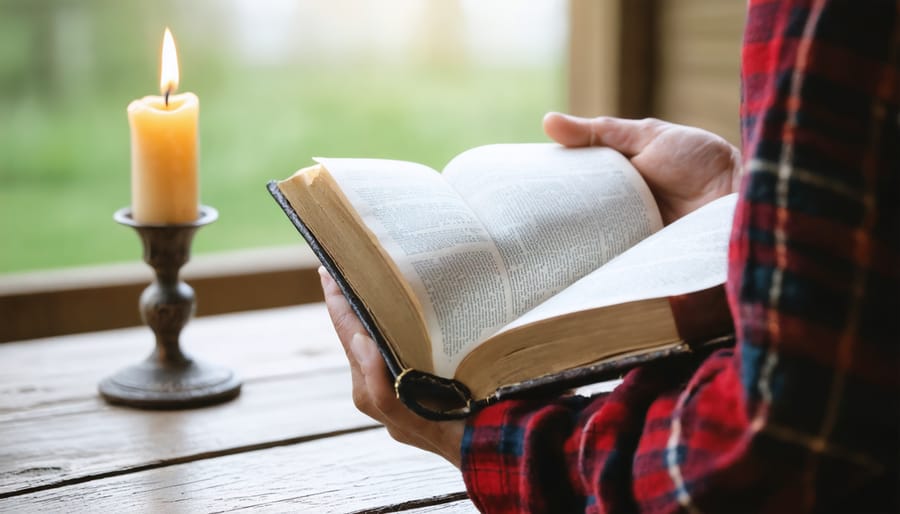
[292,441]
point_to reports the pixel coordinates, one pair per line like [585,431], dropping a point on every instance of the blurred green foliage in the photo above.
[68,69]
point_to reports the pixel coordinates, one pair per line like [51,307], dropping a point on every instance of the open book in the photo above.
[518,267]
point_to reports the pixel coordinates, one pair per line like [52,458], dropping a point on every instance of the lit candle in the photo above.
[164,149]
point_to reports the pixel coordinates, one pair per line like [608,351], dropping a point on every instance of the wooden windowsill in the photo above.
[50,303]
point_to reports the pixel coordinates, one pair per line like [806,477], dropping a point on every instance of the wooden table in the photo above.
[292,442]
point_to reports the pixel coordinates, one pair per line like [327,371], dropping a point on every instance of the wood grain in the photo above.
[291,442]
[611,57]
[678,60]
[698,64]
[350,473]
[453,502]
[462,507]
[258,345]
[80,440]
[594,57]
[55,429]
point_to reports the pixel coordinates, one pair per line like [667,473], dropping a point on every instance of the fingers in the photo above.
[373,391]
[358,377]
[329,286]
[374,395]
[360,364]
[345,321]
[627,136]
[381,404]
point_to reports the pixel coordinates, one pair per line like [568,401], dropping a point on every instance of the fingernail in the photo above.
[359,345]
[570,117]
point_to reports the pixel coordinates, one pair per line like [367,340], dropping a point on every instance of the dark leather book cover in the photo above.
[438,398]
[365,317]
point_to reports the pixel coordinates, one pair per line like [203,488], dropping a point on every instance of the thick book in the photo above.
[516,269]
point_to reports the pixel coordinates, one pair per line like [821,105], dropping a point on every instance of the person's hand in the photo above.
[373,393]
[685,167]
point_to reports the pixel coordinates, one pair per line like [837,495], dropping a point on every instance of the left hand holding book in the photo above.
[373,392]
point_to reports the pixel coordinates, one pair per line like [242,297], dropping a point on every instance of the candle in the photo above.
[164,149]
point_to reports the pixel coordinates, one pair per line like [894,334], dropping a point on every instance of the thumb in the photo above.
[627,136]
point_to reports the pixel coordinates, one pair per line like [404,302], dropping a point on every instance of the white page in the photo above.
[556,214]
[439,246]
[688,255]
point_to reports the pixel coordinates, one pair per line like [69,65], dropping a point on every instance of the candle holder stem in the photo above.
[168,378]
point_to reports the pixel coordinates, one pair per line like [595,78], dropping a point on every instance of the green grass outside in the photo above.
[64,166]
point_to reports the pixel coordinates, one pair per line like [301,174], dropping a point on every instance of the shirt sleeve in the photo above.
[574,453]
[804,413]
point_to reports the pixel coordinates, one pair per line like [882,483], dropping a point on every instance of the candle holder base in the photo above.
[156,385]
[168,378]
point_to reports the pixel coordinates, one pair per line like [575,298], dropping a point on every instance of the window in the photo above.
[279,81]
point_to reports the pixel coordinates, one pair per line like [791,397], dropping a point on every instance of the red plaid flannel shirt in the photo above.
[803,413]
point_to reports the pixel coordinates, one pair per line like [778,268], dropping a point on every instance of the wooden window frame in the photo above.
[611,57]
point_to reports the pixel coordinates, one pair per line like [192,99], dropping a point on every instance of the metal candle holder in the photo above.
[167,378]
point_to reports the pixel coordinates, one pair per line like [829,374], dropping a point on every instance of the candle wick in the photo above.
[168,90]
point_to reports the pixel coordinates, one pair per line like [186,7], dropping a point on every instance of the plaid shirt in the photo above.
[803,413]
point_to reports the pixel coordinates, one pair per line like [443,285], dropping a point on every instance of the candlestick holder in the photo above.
[168,378]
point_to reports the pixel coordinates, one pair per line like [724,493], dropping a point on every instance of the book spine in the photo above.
[433,397]
[605,370]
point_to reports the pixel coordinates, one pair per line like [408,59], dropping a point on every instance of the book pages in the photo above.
[688,255]
[439,246]
[555,214]
[535,219]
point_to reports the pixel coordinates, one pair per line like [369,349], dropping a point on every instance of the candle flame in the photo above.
[168,75]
